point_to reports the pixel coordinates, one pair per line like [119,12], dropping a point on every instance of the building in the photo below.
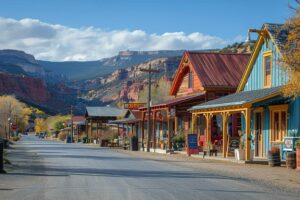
[97,119]
[267,117]
[78,127]
[201,76]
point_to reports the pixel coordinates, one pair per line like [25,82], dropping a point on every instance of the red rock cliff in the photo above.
[25,87]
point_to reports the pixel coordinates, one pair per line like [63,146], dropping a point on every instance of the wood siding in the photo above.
[184,89]
[256,78]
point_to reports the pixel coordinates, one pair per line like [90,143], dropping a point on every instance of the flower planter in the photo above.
[291,160]
[298,157]
[239,154]
[274,159]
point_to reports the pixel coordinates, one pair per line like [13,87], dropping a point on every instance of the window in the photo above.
[267,62]
[278,122]
[190,79]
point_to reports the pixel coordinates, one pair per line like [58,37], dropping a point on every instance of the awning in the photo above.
[238,99]
[177,100]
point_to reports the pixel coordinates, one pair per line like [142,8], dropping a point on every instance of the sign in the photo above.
[14,127]
[133,105]
[192,144]
[234,143]
[289,143]
[172,112]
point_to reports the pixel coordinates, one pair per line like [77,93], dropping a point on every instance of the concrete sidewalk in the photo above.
[279,177]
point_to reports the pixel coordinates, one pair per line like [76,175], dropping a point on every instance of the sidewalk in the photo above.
[279,177]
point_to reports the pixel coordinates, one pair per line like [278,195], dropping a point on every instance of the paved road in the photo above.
[52,170]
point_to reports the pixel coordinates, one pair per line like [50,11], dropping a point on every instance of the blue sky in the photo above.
[227,20]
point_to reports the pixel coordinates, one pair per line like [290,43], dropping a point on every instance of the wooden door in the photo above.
[258,135]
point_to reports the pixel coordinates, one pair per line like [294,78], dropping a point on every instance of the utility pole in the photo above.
[72,124]
[149,71]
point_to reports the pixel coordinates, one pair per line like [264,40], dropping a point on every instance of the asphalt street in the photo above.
[53,170]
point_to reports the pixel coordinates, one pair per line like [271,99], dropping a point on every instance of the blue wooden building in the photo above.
[267,116]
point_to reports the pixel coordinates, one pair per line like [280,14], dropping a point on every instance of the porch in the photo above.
[250,125]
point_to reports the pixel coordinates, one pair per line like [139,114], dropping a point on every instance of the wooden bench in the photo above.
[210,152]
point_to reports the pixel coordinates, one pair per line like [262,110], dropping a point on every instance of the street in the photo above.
[53,170]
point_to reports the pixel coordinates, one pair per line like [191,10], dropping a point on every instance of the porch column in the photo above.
[118,129]
[154,130]
[133,134]
[247,118]
[143,134]
[97,130]
[91,130]
[176,125]
[208,124]
[87,129]
[193,122]
[169,130]
[224,120]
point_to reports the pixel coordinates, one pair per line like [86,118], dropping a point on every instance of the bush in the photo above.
[62,136]
[179,138]
[297,143]
[15,138]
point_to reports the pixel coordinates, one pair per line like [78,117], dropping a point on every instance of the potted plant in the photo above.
[297,145]
[274,156]
[162,143]
[179,141]
[240,152]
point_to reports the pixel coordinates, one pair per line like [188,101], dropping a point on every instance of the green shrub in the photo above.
[297,143]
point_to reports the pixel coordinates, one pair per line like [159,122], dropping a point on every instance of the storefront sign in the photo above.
[289,143]
[234,143]
[133,105]
[192,144]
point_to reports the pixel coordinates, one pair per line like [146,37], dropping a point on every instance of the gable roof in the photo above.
[105,112]
[212,69]
[278,34]
[238,99]
[134,116]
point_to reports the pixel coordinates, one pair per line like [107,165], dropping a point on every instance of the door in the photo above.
[258,135]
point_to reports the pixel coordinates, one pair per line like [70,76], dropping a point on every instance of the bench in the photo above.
[210,152]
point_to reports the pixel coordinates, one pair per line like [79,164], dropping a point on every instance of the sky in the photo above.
[64,30]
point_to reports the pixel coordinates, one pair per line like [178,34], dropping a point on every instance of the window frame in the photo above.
[266,54]
[279,109]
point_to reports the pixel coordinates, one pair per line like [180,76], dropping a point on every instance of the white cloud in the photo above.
[60,43]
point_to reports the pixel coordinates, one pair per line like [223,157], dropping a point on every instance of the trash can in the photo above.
[134,144]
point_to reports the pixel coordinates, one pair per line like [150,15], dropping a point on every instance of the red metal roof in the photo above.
[213,69]
[219,69]
[78,118]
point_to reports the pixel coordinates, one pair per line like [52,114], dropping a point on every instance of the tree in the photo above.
[12,109]
[55,123]
[291,54]
[159,91]
[40,125]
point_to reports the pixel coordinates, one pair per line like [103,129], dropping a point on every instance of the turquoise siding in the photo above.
[294,116]
[256,80]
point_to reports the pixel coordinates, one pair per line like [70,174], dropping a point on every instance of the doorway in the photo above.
[258,145]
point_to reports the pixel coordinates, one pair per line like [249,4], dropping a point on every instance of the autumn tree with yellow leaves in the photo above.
[291,54]
[40,125]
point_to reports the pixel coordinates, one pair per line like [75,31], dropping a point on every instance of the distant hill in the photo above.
[239,47]
[92,69]
[19,61]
